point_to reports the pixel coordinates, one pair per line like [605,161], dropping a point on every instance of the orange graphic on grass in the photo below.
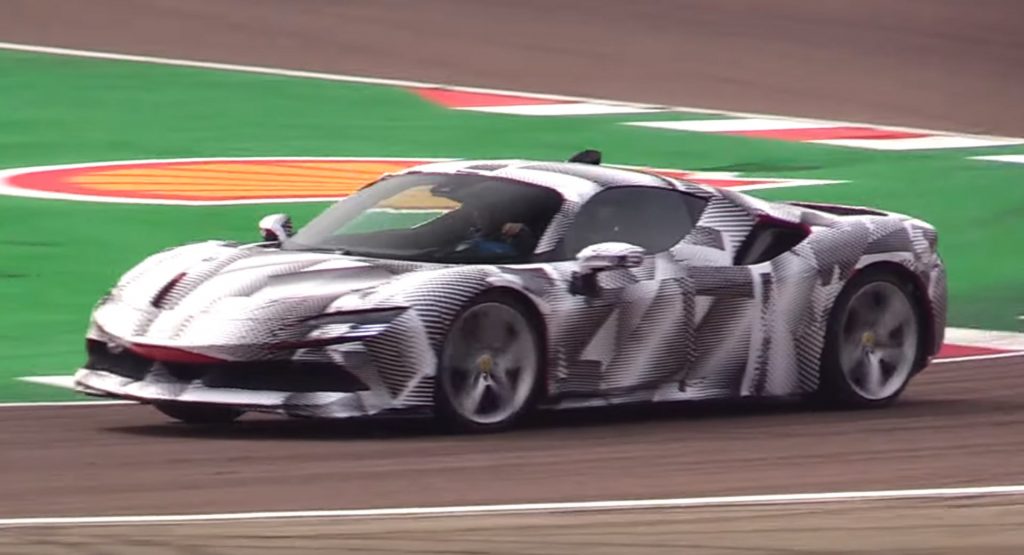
[224,180]
[261,179]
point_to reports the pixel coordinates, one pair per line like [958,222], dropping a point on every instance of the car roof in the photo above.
[572,179]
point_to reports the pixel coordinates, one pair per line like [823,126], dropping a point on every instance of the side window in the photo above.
[655,219]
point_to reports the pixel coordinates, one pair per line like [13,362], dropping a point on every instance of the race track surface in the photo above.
[946,64]
[959,425]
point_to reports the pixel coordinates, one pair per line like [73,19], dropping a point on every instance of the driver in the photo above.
[487,238]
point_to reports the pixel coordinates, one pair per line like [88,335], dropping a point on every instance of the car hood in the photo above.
[221,299]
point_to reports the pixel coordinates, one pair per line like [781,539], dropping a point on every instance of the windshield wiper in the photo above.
[331,250]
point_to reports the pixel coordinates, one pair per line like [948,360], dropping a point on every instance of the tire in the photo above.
[873,344]
[198,413]
[490,366]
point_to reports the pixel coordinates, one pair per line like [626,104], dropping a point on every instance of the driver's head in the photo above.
[480,214]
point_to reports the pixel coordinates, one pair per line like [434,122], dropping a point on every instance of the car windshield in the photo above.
[446,218]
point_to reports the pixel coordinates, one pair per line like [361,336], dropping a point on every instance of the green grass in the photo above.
[57,257]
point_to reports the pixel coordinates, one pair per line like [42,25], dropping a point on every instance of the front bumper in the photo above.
[310,386]
[323,368]
[160,386]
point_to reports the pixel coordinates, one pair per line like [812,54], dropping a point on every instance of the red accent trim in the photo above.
[827,133]
[460,99]
[158,299]
[772,220]
[951,351]
[171,354]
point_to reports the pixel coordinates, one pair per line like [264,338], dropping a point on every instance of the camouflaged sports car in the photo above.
[479,290]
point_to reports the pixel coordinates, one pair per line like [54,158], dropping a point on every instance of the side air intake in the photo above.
[769,238]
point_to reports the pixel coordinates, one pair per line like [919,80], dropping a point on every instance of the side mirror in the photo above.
[609,256]
[598,258]
[276,227]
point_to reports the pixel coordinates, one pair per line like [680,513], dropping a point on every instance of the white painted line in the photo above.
[571,506]
[566,109]
[1012,158]
[1007,340]
[34,404]
[732,125]
[786,183]
[417,84]
[971,358]
[66,382]
[220,66]
[921,143]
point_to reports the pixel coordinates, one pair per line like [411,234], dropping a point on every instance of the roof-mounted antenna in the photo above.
[587,157]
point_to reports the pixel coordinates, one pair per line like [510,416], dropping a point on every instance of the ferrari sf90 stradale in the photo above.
[479,290]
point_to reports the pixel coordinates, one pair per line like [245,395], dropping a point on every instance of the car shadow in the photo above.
[693,414]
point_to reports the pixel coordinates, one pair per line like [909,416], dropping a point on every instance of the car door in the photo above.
[634,330]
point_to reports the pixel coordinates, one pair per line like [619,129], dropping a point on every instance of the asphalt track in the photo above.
[933,63]
[959,425]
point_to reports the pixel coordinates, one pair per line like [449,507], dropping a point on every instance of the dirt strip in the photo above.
[930,63]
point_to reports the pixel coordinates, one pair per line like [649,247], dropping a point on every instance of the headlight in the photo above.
[344,327]
[366,316]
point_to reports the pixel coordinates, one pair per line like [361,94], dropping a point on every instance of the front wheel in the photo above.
[490,366]
[199,414]
[873,342]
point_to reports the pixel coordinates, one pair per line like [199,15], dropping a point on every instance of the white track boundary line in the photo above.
[561,507]
[282,72]
[1004,340]
[35,404]
[970,358]
[66,381]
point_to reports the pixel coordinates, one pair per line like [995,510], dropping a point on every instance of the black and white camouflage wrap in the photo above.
[687,324]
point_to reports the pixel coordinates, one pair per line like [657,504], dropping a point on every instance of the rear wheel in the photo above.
[490,366]
[199,414]
[873,343]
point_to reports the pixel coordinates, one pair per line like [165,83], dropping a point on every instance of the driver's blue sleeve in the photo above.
[495,248]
